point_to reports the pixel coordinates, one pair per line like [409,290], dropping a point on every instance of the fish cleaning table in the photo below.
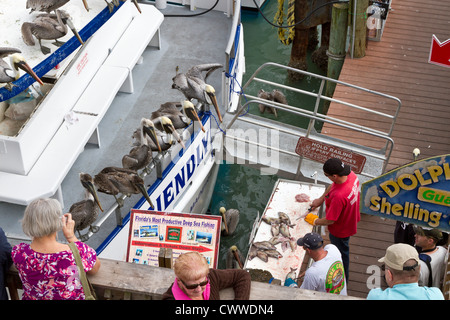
[283,199]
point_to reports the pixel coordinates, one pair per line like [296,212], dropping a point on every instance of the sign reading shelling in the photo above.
[417,193]
[182,232]
[321,152]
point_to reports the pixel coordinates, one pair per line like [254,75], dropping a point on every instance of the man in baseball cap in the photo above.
[326,274]
[402,270]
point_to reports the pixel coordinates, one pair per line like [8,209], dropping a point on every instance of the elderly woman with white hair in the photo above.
[47,267]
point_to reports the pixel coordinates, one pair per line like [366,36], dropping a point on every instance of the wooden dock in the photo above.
[398,66]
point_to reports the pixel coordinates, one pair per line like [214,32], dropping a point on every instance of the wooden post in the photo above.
[336,49]
[358,18]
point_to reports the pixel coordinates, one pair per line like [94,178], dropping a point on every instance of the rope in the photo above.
[279,17]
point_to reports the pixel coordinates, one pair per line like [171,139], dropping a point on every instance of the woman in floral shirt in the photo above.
[47,267]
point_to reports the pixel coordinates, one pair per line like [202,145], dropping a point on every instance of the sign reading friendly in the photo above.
[417,193]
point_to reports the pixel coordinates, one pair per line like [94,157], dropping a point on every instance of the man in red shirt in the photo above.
[342,206]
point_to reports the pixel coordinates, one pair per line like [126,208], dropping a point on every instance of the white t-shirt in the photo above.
[438,263]
[327,275]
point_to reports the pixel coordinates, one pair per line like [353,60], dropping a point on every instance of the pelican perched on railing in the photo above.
[164,124]
[193,85]
[115,180]
[140,156]
[8,73]
[230,219]
[48,26]
[180,119]
[85,212]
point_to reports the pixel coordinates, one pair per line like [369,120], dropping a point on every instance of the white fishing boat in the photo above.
[85,122]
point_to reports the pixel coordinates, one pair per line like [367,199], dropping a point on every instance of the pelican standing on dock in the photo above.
[8,74]
[49,5]
[48,27]
[141,155]
[115,180]
[85,212]
[193,85]
[230,220]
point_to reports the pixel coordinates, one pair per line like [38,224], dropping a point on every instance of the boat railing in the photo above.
[315,115]
[234,59]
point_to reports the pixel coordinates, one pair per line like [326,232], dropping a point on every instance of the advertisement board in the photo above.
[181,232]
[417,193]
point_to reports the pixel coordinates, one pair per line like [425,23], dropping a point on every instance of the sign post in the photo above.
[181,232]
[417,193]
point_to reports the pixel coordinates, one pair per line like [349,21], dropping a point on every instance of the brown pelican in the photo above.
[159,145]
[234,258]
[193,85]
[141,155]
[179,119]
[115,180]
[48,26]
[164,124]
[48,5]
[230,220]
[116,3]
[275,95]
[85,212]
[8,74]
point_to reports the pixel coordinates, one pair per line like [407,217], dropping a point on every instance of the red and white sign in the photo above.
[321,152]
[181,232]
[440,52]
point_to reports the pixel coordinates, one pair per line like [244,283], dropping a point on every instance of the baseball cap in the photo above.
[397,254]
[432,233]
[336,166]
[311,241]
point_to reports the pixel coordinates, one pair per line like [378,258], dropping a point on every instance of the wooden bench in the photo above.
[45,177]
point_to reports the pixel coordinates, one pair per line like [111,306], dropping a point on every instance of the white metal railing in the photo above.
[313,116]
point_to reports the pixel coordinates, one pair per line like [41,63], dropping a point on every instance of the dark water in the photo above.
[238,186]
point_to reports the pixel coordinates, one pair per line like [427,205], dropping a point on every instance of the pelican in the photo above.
[160,144]
[234,258]
[49,5]
[179,119]
[85,212]
[193,85]
[230,219]
[48,26]
[141,155]
[115,180]
[116,3]
[275,95]
[8,74]
[164,124]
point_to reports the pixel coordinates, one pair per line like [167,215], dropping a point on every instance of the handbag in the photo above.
[87,286]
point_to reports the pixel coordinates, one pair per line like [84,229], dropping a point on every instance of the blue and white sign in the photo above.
[417,193]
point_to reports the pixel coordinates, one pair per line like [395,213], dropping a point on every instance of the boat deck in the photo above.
[152,87]
[398,66]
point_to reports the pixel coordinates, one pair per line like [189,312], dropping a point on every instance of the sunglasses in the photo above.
[194,286]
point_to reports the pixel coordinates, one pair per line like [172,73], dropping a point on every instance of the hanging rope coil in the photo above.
[279,17]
